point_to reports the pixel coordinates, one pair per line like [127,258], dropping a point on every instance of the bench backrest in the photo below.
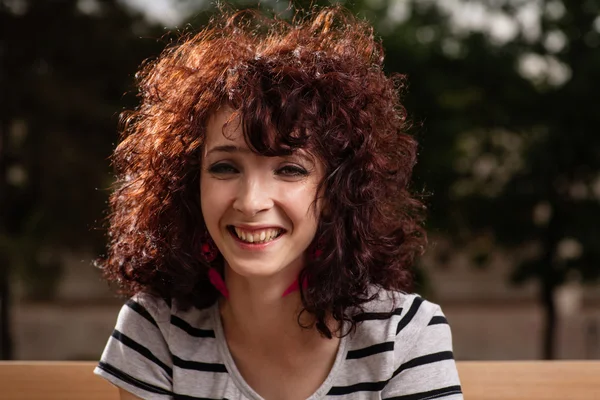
[530,380]
[481,380]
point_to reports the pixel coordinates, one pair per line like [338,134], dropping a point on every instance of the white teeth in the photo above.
[240,233]
[257,237]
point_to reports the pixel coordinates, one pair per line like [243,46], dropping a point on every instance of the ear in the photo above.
[325,210]
[321,204]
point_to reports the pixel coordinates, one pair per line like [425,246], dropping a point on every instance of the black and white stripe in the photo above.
[138,308]
[390,347]
[371,350]
[117,373]
[374,316]
[190,330]
[146,386]
[378,386]
[438,319]
[430,394]
[178,396]
[423,360]
[144,351]
[410,314]
[198,365]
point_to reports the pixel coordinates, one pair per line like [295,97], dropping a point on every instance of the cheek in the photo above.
[204,197]
[299,204]
[212,201]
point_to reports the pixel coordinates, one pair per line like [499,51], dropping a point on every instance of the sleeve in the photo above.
[137,356]
[424,363]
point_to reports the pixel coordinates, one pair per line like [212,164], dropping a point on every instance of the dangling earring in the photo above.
[295,286]
[208,249]
[314,255]
[317,251]
[209,252]
[218,282]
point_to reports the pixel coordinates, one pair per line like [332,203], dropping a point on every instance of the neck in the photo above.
[257,312]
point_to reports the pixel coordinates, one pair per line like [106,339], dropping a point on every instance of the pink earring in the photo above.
[209,253]
[208,249]
[295,286]
[218,282]
[318,250]
[314,254]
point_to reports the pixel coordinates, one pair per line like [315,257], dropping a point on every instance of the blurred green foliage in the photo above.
[63,76]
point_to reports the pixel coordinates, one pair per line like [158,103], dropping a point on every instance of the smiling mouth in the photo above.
[257,236]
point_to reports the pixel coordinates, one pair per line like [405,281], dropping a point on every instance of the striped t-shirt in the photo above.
[401,349]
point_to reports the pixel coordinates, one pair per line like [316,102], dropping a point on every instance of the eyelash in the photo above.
[292,171]
[221,169]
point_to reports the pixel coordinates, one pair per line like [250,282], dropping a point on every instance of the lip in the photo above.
[254,246]
[252,228]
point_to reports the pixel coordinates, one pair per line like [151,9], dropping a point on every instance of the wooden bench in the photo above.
[481,380]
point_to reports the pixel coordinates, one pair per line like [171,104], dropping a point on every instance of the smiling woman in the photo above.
[246,197]
[263,223]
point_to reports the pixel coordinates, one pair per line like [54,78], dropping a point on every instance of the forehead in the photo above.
[224,134]
[218,134]
[226,128]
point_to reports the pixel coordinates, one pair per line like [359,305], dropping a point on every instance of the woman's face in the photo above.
[258,210]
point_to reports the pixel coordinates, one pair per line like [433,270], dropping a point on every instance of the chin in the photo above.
[254,269]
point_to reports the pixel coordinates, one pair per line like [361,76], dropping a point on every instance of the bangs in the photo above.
[273,104]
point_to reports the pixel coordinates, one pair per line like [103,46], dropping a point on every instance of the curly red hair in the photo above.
[316,83]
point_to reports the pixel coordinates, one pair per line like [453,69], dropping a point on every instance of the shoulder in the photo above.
[150,336]
[150,312]
[395,317]
[395,306]
[417,341]
[394,330]
[144,312]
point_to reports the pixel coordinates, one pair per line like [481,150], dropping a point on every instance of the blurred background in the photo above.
[505,97]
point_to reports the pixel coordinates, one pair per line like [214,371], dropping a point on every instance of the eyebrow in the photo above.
[228,149]
[235,149]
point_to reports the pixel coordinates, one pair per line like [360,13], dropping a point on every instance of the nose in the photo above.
[254,196]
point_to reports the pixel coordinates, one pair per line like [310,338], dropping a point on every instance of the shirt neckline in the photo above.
[241,383]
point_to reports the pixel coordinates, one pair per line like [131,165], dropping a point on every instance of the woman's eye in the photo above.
[222,169]
[291,170]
